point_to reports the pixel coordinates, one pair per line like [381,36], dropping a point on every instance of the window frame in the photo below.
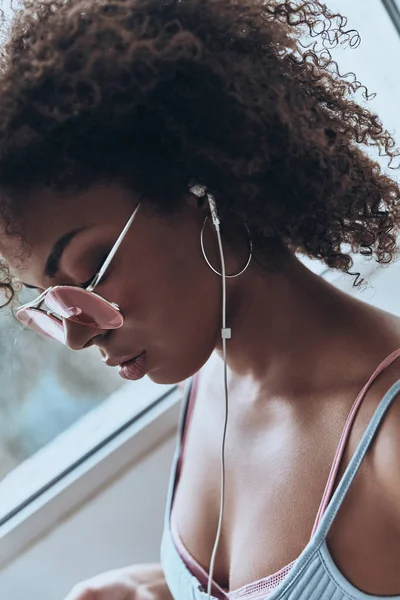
[393,9]
[155,419]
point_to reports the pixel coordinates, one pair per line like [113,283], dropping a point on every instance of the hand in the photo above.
[140,582]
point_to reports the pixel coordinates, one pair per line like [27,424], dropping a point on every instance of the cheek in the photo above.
[182,335]
[183,296]
[173,307]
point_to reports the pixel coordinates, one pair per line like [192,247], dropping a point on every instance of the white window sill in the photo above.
[43,489]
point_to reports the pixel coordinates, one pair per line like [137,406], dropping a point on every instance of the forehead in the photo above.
[43,217]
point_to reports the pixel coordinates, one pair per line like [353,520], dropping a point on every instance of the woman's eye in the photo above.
[87,283]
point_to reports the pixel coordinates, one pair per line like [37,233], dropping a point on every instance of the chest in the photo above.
[277,466]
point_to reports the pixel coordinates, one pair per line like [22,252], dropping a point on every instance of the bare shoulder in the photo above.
[385,451]
[387,463]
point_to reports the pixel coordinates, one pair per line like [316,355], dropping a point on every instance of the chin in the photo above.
[164,378]
[171,376]
[177,369]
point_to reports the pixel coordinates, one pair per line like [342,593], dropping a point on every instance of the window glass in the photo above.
[45,387]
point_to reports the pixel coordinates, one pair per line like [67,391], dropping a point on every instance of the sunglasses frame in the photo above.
[35,304]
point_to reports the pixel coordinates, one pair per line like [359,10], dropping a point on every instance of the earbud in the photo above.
[214,212]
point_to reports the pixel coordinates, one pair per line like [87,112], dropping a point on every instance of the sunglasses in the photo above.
[72,303]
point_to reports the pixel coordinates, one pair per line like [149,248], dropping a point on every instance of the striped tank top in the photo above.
[313,575]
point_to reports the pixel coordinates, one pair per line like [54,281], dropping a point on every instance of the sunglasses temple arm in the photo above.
[36,301]
[114,249]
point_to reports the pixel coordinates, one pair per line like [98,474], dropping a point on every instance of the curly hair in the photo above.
[241,97]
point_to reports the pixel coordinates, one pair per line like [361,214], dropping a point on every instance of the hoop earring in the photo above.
[208,262]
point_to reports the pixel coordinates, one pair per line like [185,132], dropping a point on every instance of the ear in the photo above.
[198,199]
[202,202]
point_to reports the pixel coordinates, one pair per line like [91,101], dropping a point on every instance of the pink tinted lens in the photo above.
[83,307]
[42,323]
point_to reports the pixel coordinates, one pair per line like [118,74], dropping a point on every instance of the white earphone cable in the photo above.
[225,334]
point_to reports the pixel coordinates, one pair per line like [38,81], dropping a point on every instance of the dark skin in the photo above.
[155,250]
[299,354]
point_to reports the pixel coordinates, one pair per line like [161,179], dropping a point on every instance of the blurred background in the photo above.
[45,388]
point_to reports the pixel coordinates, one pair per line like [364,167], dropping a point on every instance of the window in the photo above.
[45,389]
[56,408]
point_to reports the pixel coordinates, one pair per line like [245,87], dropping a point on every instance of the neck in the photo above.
[294,323]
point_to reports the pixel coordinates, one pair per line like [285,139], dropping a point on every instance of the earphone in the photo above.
[225,335]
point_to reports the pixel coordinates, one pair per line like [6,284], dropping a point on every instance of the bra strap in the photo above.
[345,435]
[354,465]
[189,393]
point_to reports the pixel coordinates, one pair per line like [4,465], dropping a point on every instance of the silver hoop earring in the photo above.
[208,262]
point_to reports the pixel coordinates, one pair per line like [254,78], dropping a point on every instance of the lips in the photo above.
[134,369]
[119,361]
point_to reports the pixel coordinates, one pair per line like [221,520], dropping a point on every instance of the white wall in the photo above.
[375,60]
[119,526]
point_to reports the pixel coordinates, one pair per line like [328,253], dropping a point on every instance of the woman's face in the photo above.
[168,296]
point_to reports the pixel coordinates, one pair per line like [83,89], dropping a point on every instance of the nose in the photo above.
[78,336]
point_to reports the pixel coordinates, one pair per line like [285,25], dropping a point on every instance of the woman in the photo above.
[125,126]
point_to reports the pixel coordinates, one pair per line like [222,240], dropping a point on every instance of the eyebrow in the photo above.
[52,265]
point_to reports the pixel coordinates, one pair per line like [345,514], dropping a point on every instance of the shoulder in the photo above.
[386,449]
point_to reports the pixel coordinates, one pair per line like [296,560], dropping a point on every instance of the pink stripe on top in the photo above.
[260,589]
[194,567]
[257,590]
[345,436]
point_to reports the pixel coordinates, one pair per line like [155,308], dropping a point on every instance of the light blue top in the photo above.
[314,576]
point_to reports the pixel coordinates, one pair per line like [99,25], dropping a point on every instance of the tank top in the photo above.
[313,575]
